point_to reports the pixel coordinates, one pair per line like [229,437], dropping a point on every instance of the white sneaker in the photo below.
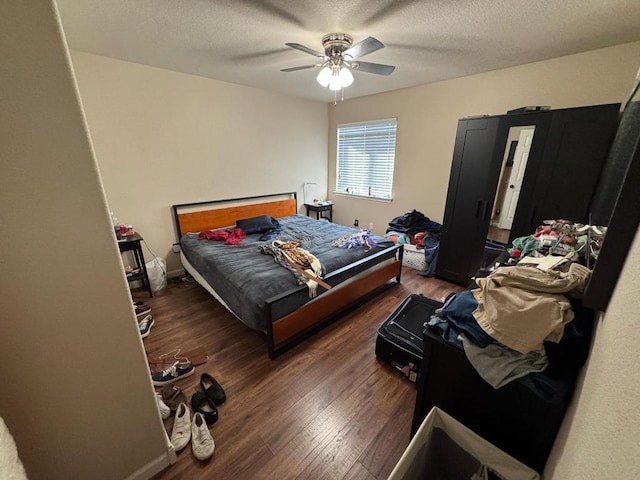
[202,442]
[181,433]
[165,411]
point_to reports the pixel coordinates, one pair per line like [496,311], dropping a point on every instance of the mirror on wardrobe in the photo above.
[514,164]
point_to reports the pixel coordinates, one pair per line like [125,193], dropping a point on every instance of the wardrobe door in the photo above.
[574,153]
[472,186]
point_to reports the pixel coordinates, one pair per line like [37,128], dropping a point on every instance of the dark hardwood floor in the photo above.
[325,409]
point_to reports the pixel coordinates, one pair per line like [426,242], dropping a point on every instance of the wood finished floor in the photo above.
[327,409]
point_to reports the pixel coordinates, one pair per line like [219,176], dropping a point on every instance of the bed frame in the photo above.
[351,285]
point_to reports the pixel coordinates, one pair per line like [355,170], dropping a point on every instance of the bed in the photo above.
[264,295]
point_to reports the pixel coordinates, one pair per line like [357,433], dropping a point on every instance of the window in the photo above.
[366,153]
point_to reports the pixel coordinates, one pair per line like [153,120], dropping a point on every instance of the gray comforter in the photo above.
[244,278]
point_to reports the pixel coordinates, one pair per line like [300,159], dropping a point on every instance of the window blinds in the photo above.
[366,154]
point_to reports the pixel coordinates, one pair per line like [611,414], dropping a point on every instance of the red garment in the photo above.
[545,230]
[418,238]
[230,237]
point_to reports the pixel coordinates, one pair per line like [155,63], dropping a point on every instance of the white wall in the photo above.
[76,390]
[427,119]
[163,138]
[599,437]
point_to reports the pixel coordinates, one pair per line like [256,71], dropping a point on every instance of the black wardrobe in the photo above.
[565,161]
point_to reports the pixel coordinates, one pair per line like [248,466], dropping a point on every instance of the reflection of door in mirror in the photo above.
[511,175]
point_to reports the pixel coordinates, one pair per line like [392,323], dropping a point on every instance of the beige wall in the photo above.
[599,437]
[163,138]
[427,118]
[76,391]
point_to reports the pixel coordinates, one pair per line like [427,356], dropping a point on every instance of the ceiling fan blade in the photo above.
[377,68]
[365,47]
[302,67]
[304,49]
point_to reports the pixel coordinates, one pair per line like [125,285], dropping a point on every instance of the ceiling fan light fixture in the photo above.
[339,58]
[346,77]
[324,76]
[335,83]
[336,77]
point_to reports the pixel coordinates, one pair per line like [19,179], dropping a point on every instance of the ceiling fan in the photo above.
[340,57]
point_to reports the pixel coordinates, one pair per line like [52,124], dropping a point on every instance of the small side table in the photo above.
[132,243]
[320,210]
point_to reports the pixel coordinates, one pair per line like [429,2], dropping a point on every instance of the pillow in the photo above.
[258,224]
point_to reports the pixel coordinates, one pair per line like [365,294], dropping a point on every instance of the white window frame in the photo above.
[364,140]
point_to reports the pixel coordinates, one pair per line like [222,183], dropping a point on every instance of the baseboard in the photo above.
[176,273]
[155,466]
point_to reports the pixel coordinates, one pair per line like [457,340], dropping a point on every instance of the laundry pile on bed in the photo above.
[304,266]
[362,238]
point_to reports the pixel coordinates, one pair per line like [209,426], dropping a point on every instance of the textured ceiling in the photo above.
[243,41]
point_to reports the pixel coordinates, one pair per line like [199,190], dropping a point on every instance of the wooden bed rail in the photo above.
[288,330]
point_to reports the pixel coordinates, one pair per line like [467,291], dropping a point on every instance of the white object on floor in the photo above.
[10,465]
[414,257]
[423,453]
[202,442]
[165,412]
[181,433]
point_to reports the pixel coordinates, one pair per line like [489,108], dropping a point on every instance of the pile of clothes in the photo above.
[414,228]
[562,238]
[510,323]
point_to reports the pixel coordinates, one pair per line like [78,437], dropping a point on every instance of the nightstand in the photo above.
[132,243]
[320,209]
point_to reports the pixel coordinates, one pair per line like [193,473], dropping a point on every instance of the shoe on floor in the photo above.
[203,404]
[173,373]
[202,442]
[172,395]
[141,310]
[165,411]
[145,326]
[212,388]
[181,433]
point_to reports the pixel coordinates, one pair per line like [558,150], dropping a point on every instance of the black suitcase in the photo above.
[399,339]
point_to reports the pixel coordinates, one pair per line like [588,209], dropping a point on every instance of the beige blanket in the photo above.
[523,306]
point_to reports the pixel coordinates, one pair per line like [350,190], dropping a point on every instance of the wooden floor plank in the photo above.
[324,409]
[358,472]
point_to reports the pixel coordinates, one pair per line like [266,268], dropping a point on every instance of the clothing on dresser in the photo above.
[521,306]
[456,317]
[498,365]
[524,307]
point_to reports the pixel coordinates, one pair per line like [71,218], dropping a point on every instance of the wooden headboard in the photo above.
[199,216]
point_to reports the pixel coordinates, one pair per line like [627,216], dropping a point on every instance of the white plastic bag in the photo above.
[157,273]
